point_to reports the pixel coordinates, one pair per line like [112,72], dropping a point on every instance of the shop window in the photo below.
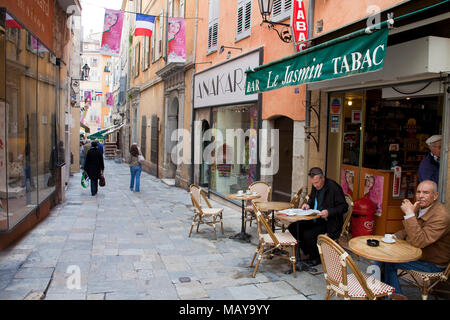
[233,156]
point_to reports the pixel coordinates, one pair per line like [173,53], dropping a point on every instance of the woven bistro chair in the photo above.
[296,198]
[209,215]
[426,281]
[265,191]
[283,241]
[353,286]
[297,202]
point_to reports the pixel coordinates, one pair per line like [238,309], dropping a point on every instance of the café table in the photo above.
[243,197]
[273,206]
[397,252]
[291,219]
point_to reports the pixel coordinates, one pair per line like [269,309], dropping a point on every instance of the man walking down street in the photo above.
[94,166]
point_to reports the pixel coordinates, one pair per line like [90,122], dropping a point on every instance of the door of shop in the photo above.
[282,180]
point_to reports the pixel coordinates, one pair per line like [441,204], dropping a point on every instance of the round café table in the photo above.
[273,206]
[397,252]
[243,197]
[291,219]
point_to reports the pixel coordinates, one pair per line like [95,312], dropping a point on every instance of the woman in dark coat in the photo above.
[94,166]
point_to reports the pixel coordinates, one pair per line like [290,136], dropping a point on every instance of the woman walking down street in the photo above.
[135,168]
[94,166]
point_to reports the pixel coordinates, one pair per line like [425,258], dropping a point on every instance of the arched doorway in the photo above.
[282,180]
[204,167]
[172,126]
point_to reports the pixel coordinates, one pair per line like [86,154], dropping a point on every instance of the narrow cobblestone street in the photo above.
[131,245]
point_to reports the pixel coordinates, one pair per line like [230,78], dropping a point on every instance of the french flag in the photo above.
[144,25]
[11,23]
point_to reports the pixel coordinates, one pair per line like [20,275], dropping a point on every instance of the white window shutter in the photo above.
[182,8]
[281,10]
[213,25]
[244,18]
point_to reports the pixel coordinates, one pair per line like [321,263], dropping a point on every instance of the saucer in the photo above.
[388,240]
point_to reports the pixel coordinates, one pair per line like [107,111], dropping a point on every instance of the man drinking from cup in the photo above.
[426,226]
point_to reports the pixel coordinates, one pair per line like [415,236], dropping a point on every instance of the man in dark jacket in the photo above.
[94,166]
[429,167]
[327,197]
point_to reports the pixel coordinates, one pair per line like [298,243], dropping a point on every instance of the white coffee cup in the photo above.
[240,192]
[388,236]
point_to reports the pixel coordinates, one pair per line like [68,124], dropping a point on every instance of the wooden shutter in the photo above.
[213,25]
[154,139]
[281,10]
[182,8]
[244,18]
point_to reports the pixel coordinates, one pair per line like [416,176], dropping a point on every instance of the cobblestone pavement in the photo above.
[127,245]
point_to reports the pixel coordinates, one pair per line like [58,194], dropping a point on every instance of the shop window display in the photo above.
[28,132]
[234,162]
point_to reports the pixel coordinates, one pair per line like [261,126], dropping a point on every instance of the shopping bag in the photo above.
[102,181]
[84,180]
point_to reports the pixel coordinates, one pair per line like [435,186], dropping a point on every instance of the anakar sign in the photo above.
[299,25]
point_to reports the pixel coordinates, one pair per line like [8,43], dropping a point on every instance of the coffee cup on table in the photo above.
[240,192]
[388,236]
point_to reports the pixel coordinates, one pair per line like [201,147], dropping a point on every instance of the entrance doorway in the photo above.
[172,126]
[204,167]
[282,180]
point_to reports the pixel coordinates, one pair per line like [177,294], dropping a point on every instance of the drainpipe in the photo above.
[193,93]
[311,5]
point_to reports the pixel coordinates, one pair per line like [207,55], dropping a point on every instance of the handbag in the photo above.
[141,158]
[102,181]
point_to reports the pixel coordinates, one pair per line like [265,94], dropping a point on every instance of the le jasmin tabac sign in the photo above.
[365,53]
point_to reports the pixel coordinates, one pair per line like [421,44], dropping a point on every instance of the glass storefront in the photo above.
[234,131]
[376,141]
[28,124]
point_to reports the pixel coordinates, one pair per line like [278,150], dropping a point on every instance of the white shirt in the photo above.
[421,213]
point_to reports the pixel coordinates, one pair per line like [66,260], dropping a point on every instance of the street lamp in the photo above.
[85,72]
[265,7]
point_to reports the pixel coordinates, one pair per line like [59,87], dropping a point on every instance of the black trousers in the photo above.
[94,186]
[306,233]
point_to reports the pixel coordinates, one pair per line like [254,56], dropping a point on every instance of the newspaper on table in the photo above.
[299,212]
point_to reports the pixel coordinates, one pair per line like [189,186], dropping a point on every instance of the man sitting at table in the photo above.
[328,197]
[427,226]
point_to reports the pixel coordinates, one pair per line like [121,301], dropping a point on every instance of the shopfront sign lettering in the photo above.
[365,53]
[299,24]
[225,83]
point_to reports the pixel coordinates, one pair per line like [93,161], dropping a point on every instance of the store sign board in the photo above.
[225,84]
[36,15]
[299,25]
[365,53]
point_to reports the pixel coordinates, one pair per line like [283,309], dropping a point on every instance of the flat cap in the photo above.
[433,139]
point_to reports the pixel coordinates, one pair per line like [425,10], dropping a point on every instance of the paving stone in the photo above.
[247,292]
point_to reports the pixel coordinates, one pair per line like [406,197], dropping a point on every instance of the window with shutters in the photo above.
[145,53]
[182,8]
[213,25]
[160,35]
[244,19]
[170,9]
[281,10]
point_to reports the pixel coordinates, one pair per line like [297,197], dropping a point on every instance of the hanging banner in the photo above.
[87,99]
[176,38]
[299,25]
[357,55]
[109,99]
[112,33]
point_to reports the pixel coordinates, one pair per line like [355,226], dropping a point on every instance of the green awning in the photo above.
[99,134]
[360,54]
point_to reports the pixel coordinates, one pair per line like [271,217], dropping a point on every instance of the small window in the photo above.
[213,25]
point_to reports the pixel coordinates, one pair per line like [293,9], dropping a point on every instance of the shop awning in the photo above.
[353,54]
[99,134]
[85,127]
[117,128]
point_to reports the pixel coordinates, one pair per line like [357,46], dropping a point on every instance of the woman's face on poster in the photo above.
[110,20]
[174,27]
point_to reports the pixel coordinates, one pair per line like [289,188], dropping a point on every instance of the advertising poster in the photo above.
[347,181]
[112,33]
[176,37]
[109,99]
[373,189]
[87,99]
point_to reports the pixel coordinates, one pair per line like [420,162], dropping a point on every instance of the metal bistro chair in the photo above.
[201,214]
[353,286]
[265,191]
[345,233]
[283,241]
[426,281]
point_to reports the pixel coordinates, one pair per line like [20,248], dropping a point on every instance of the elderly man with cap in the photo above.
[429,167]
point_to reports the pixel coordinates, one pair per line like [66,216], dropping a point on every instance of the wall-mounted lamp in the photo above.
[222,49]
[265,7]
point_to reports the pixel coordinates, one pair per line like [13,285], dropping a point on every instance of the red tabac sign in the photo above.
[35,15]
[299,24]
